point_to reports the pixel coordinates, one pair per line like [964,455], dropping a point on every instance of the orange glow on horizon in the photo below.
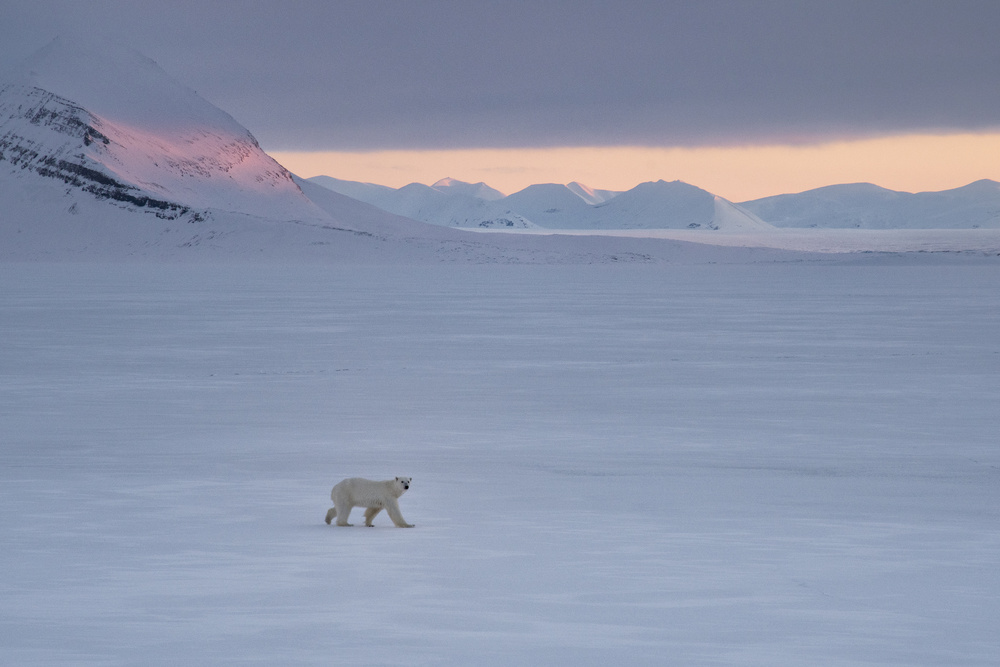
[909,163]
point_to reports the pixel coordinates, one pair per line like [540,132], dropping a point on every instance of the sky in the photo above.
[746,99]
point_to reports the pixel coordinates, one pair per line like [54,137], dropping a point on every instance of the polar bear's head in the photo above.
[402,484]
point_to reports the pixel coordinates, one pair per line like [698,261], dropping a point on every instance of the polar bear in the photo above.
[376,496]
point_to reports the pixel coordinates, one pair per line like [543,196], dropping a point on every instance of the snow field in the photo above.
[763,465]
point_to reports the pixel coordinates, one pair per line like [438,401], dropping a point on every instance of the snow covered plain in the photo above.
[832,241]
[778,464]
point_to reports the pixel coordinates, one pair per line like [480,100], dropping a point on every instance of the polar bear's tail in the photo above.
[330,513]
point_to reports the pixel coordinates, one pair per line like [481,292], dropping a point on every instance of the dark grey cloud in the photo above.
[366,75]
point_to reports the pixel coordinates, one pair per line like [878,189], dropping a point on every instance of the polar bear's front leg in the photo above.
[392,507]
[370,514]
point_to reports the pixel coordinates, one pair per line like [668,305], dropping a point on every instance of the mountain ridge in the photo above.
[839,206]
[869,206]
[455,204]
[111,123]
[652,205]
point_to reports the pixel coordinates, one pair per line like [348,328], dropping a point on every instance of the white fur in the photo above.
[376,496]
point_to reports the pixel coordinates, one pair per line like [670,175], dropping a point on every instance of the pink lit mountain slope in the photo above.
[108,122]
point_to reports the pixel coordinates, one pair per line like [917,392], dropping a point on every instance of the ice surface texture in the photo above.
[752,465]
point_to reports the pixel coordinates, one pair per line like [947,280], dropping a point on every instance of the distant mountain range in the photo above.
[658,205]
[677,205]
[867,206]
[448,202]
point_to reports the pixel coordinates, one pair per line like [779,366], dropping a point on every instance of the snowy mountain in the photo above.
[109,123]
[591,195]
[676,205]
[478,190]
[366,192]
[653,205]
[551,205]
[448,202]
[867,206]
[658,205]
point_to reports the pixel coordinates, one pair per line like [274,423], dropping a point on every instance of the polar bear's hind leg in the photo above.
[330,513]
[343,514]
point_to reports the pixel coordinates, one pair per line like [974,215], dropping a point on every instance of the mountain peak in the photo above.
[589,194]
[118,84]
[479,190]
[982,185]
[108,121]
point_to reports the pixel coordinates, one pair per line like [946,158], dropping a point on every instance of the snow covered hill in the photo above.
[678,205]
[551,205]
[478,190]
[653,205]
[658,205]
[109,122]
[448,202]
[867,206]
[591,195]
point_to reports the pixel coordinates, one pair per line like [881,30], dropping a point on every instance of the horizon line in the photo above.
[908,163]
